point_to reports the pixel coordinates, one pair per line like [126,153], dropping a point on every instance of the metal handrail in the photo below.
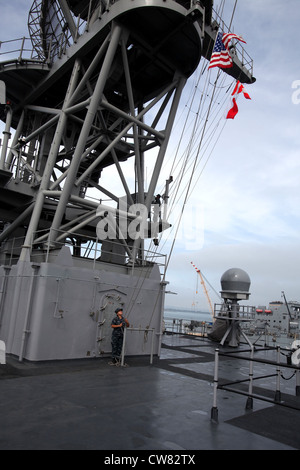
[151,330]
[24,49]
[243,55]
[88,252]
[250,395]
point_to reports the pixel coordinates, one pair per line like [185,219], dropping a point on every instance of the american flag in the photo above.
[228,37]
[220,56]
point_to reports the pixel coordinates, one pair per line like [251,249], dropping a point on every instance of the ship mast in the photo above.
[96,79]
[91,102]
[99,91]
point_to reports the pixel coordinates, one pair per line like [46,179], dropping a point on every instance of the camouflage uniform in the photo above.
[117,338]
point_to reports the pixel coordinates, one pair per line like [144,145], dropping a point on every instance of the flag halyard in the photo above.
[239,88]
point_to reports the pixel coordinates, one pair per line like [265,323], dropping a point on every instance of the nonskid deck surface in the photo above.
[89,404]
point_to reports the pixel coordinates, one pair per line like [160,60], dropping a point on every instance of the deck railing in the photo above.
[276,367]
[89,250]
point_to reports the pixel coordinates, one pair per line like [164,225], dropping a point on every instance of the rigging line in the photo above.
[207,282]
[183,168]
[187,117]
[201,73]
[215,143]
[194,134]
[215,107]
[186,196]
[216,104]
[202,157]
[212,129]
[191,98]
[205,163]
[204,150]
[214,117]
[185,152]
[220,9]
[185,165]
[137,288]
[188,149]
[202,170]
[196,81]
[139,285]
[208,139]
[188,104]
[233,13]
[204,166]
[179,143]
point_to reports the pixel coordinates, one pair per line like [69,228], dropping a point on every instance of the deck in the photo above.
[164,406]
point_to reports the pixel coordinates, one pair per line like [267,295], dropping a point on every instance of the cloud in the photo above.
[272,268]
[244,210]
[249,192]
[15,16]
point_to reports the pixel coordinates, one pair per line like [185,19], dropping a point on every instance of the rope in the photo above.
[190,182]
[206,136]
[288,378]
[199,141]
[234,8]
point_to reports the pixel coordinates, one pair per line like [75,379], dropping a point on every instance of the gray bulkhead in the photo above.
[61,311]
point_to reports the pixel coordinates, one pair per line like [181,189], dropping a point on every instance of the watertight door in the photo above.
[104,330]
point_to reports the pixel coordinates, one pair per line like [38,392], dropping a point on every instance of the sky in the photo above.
[246,204]
[250,189]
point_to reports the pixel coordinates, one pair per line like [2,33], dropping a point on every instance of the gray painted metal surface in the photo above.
[162,408]
[98,90]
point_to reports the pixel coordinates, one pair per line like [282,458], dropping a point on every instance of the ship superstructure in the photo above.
[278,319]
[87,111]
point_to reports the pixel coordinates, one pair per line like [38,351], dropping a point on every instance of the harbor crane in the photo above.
[205,289]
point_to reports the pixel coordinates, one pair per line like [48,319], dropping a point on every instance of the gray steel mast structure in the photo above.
[101,87]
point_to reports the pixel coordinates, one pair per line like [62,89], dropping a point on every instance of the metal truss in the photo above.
[67,148]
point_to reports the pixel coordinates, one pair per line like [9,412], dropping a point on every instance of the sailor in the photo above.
[118,324]
[157,199]
[156,214]
[157,203]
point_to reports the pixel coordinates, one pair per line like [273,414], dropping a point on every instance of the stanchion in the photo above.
[277,398]
[297,383]
[249,403]
[124,342]
[123,348]
[2,353]
[214,410]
